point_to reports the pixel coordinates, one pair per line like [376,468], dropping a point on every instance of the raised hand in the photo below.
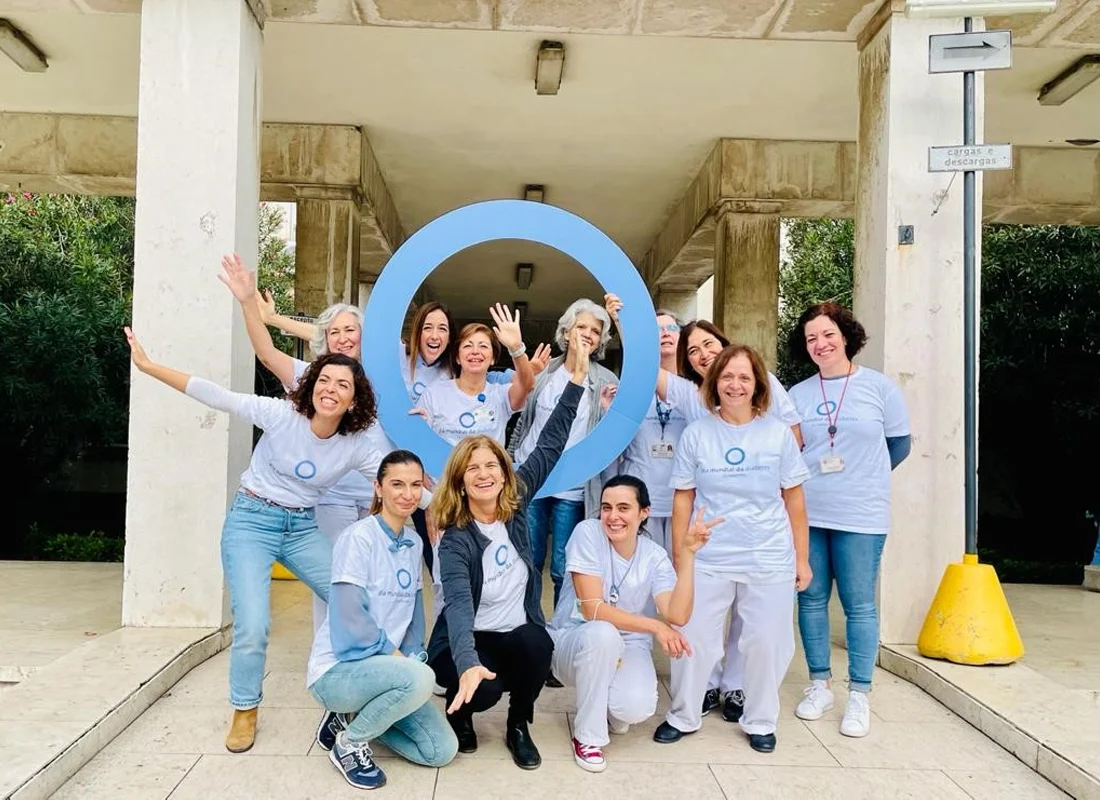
[698,532]
[137,352]
[540,360]
[583,354]
[467,685]
[507,326]
[266,303]
[241,281]
[613,305]
[607,395]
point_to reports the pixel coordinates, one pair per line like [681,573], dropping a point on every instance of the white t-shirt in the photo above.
[362,557]
[737,472]
[353,489]
[590,553]
[453,414]
[424,377]
[649,455]
[290,466]
[685,395]
[856,499]
[504,583]
[545,404]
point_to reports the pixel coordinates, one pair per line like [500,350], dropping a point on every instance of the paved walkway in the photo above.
[917,748]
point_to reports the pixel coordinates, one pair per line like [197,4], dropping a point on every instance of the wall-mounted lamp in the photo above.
[524,274]
[16,46]
[535,192]
[977,8]
[549,67]
[1070,81]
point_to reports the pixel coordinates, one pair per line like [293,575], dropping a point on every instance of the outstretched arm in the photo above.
[508,334]
[242,282]
[166,375]
[291,327]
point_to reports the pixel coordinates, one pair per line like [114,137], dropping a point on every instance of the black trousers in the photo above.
[420,522]
[521,661]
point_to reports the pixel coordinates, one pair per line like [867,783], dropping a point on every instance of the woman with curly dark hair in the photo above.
[310,440]
[856,429]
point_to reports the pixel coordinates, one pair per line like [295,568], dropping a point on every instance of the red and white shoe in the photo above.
[589,757]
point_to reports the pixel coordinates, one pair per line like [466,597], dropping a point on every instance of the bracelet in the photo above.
[596,610]
[519,351]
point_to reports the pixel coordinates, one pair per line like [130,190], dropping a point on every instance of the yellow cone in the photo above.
[970,621]
[281,573]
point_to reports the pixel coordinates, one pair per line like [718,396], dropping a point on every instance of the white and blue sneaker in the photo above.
[331,724]
[355,762]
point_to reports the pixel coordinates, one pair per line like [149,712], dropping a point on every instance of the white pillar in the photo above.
[197,198]
[910,299]
[326,254]
[746,280]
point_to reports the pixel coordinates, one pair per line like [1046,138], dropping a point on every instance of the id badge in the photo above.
[483,414]
[661,450]
[832,464]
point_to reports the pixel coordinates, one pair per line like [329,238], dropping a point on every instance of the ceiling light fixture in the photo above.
[549,66]
[524,274]
[535,192]
[1070,81]
[977,8]
[1082,142]
[20,49]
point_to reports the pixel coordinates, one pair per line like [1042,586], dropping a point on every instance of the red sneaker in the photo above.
[589,757]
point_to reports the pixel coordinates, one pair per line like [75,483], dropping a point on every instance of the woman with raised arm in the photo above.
[491,637]
[602,627]
[310,440]
[368,657]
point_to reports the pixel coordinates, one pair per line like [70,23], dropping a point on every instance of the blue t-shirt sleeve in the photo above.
[354,633]
[898,447]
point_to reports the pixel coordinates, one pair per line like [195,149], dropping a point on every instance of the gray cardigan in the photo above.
[598,378]
[461,549]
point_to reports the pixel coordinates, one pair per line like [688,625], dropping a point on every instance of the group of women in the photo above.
[734,498]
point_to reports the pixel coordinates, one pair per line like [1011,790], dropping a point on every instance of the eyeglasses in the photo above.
[671,327]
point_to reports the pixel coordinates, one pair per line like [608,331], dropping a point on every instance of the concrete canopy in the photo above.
[445,98]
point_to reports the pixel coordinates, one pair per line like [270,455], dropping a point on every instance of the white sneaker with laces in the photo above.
[818,699]
[589,757]
[857,716]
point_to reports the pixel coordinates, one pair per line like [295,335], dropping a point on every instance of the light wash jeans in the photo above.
[852,559]
[392,697]
[256,535]
[556,518]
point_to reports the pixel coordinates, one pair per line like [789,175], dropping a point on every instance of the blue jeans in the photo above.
[852,559]
[256,535]
[392,698]
[555,518]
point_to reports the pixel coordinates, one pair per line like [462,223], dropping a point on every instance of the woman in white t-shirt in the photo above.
[857,431]
[368,658]
[745,467]
[469,405]
[602,628]
[309,442]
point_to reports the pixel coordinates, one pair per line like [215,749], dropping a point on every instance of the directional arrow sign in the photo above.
[970,52]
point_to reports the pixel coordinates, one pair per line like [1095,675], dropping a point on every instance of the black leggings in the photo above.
[521,661]
[420,522]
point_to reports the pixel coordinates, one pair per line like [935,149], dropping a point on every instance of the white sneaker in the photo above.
[857,716]
[818,700]
[616,727]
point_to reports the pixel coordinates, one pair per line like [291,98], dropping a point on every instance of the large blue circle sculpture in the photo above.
[534,222]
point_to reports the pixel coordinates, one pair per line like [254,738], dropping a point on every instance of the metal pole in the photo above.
[970,344]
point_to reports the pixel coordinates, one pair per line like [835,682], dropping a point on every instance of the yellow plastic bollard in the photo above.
[281,573]
[970,621]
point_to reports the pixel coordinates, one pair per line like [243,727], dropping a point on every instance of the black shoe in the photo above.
[711,700]
[463,726]
[552,682]
[762,742]
[733,705]
[518,740]
[331,724]
[667,734]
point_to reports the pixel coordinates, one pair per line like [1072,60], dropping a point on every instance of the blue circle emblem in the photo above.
[826,408]
[404,578]
[466,420]
[501,555]
[734,456]
[305,470]
[494,220]
[418,389]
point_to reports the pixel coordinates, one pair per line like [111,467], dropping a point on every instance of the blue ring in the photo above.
[737,450]
[306,466]
[534,222]
[502,550]
[462,420]
[404,578]
[826,408]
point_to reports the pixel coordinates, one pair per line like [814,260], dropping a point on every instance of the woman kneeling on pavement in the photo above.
[603,635]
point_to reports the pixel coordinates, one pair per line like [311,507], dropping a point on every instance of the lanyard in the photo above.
[613,595]
[664,414]
[825,402]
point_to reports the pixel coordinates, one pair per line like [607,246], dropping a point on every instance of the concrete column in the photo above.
[746,279]
[326,260]
[909,297]
[684,303]
[198,184]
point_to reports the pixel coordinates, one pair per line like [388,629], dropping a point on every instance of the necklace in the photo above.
[613,595]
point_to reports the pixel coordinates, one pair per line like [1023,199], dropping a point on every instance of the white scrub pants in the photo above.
[612,677]
[766,646]
[660,531]
[331,521]
[729,673]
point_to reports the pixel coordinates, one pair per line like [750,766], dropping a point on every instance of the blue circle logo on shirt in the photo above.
[418,389]
[466,419]
[734,456]
[305,470]
[501,555]
[826,408]
[404,578]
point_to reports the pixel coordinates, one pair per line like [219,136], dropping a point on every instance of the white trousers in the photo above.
[660,531]
[611,676]
[729,672]
[766,646]
[331,521]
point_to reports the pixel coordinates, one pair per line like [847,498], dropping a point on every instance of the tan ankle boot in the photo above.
[242,731]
